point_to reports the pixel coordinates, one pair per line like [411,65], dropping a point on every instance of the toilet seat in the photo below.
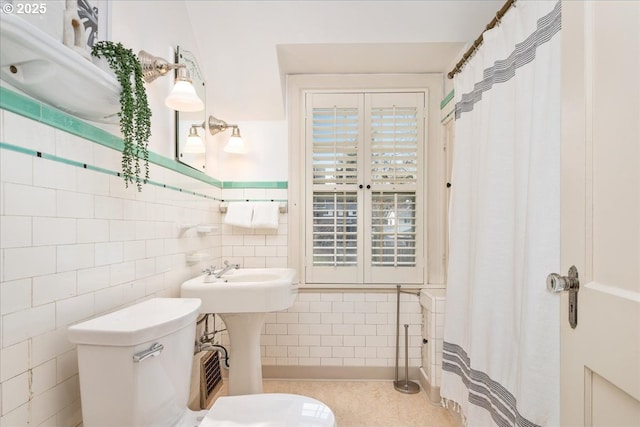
[268,410]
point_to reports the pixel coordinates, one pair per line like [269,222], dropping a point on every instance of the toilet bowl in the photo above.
[135,370]
[268,410]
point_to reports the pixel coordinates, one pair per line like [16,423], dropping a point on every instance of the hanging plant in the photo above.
[134,114]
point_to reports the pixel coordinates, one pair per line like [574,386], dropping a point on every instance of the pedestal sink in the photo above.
[241,298]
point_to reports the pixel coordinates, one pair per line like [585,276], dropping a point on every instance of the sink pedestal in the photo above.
[245,365]
[242,298]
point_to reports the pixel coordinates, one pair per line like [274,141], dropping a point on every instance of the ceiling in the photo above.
[248,47]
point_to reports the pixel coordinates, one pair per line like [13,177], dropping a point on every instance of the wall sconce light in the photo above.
[235,145]
[183,96]
[194,144]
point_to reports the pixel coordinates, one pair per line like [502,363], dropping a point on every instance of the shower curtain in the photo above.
[501,339]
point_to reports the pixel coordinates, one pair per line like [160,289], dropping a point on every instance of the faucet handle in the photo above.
[209,270]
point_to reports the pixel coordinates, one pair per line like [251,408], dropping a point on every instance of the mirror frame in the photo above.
[184,120]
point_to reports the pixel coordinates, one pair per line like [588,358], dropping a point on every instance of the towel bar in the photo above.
[225,205]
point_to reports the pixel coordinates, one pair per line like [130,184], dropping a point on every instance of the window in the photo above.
[364,164]
[358,187]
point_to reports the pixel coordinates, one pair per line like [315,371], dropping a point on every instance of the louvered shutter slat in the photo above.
[334,230]
[334,146]
[393,228]
[394,145]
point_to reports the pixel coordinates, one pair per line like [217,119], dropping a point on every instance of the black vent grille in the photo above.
[210,378]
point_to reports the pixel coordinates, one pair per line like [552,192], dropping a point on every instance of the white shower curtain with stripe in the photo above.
[501,338]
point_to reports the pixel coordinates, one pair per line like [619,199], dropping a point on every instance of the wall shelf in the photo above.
[200,228]
[34,62]
[282,207]
[196,257]
[206,228]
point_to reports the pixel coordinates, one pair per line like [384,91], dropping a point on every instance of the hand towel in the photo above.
[239,214]
[265,215]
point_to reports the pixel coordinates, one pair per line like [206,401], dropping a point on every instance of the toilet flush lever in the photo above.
[152,351]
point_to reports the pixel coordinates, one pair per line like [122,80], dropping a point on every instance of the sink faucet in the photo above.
[227,267]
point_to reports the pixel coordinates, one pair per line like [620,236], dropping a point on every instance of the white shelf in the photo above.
[206,228]
[200,228]
[282,207]
[196,257]
[34,62]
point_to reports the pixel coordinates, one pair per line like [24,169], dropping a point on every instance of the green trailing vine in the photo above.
[134,114]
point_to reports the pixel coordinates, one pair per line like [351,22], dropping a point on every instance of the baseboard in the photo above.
[433,393]
[335,372]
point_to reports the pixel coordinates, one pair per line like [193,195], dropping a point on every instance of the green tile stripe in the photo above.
[18,149]
[445,118]
[27,107]
[43,113]
[67,123]
[255,200]
[446,100]
[19,104]
[255,184]
[52,157]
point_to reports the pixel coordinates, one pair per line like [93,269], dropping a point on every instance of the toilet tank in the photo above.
[121,387]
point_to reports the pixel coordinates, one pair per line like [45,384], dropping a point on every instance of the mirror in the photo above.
[185,120]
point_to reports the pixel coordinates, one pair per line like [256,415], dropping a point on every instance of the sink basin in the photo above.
[247,290]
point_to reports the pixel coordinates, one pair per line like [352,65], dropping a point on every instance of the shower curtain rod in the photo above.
[476,44]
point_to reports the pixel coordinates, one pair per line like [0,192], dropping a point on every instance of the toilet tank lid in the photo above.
[142,322]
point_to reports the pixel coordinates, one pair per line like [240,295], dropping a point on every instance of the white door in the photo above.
[600,366]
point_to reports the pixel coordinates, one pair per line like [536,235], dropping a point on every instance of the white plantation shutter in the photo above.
[334,141]
[394,243]
[364,161]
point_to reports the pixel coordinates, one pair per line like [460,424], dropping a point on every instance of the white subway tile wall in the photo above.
[74,243]
[433,306]
[351,329]
[255,248]
[322,328]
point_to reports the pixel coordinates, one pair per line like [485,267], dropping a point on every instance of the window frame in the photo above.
[433,181]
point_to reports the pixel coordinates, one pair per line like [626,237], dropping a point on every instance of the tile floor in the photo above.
[366,403]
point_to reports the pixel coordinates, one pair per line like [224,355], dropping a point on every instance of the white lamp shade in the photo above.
[183,97]
[235,145]
[194,145]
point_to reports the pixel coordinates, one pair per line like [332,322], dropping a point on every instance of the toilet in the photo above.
[135,370]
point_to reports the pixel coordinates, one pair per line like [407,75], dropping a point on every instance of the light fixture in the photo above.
[235,145]
[194,144]
[183,96]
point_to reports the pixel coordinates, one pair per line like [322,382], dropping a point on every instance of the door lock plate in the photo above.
[557,283]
